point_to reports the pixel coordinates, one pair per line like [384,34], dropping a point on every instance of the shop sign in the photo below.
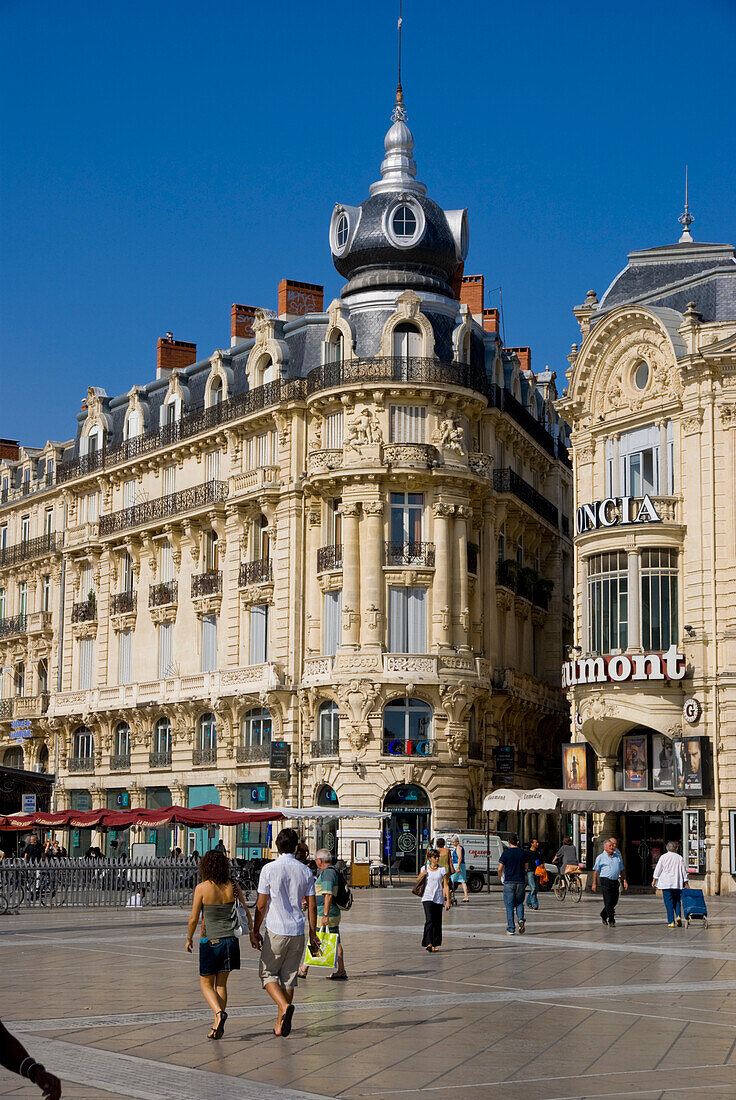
[408,748]
[259,792]
[20,729]
[624,666]
[28,803]
[693,841]
[688,765]
[279,758]
[504,757]
[691,711]
[615,511]
[122,800]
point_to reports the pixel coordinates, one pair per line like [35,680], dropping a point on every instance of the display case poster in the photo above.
[575,767]
[693,841]
[663,763]
[688,758]
[636,766]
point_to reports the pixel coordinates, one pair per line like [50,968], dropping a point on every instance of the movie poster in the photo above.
[636,768]
[575,767]
[663,763]
[688,765]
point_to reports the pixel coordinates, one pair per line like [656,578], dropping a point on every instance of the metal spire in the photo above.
[686,219]
[399,112]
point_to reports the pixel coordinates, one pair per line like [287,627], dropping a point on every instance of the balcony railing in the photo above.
[190,424]
[13,624]
[205,756]
[508,481]
[148,511]
[393,746]
[328,747]
[29,549]
[120,763]
[207,584]
[386,368]
[409,553]
[84,612]
[473,558]
[81,764]
[525,582]
[252,754]
[255,572]
[166,592]
[6,709]
[159,759]
[329,557]
[122,603]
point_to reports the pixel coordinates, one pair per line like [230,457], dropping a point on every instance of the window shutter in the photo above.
[332,622]
[167,563]
[417,620]
[212,466]
[397,616]
[334,431]
[168,481]
[129,493]
[209,643]
[408,423]
[165,651]
[86,663]
[259,634]
[125,653]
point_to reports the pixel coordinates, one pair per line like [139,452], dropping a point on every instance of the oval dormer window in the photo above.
[641,375]
[404,223]
[341,232]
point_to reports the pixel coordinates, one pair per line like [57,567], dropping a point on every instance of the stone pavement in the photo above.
[111,1002]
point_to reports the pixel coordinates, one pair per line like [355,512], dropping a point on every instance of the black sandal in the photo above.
[219,1031]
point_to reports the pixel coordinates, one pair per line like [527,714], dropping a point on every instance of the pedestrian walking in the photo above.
[512,867]
[15,1057]
[327,885]
[670,876]
[282,886]
[459,872]
[436,893]
[609,869]
[446,862]
[532,881]
[215,898]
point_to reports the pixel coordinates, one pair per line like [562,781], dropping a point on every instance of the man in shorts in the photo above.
[282,887]
[328,911]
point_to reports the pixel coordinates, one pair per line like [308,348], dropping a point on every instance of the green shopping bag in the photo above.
[328,951]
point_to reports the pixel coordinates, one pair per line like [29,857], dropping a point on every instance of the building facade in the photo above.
[347,533]
[652,404]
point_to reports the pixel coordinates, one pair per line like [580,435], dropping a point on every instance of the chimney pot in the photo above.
[241,323]
[173,354]
[472,294]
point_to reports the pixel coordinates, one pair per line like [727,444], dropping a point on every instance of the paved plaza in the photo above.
[110,1001]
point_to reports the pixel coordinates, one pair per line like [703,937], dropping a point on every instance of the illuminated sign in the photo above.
[407,748]
[613,511]
[624,666]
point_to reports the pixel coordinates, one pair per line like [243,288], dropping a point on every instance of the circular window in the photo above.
[641,376]
[404,222]
[341,232]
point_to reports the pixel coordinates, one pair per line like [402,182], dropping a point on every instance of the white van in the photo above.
[476,856]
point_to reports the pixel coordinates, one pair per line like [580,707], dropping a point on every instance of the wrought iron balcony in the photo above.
[329,557]
[473,558]
[166,592]
[327,747]
[409,553]
[508,481]
[149,511]
[253,754]
[13,624]
[386,368]
[206,756]
[6,709]
[159,759]
[120,763]
[207,584]
[123,603]
[525,582]
[29,549]
[84,612]
[81,764]
[255,572]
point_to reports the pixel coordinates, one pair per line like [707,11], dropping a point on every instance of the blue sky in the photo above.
[162,160]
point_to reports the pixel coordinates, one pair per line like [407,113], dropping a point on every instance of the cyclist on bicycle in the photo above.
[567,857]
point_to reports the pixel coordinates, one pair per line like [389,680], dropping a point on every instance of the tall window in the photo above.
[25,528]
[23,598]
[329,722]
[211,552]
[165,650]
[608,604]
[84,743]
[332,622]
[406,517]
[122,739]
[408,423]
[207,732]
[334,431]
[48,521]
[162,736]
[407,720]
[640,462]
[212,466]
[216,393]
[262,541]
[125,656]
[209,643]
[334,349]
[20,679]
[86,663]
[2,604]
[334,521]
[168,481]
[3,536]
[86,582]
[166,562]
[126,572]
[129,493]
[257,727]
[407,341]
[658,599]
[43,676]
[259,634]
[133,425]
[407,620]
[261,450]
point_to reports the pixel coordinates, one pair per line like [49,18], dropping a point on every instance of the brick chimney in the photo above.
[472,294]
[241,323]
[296,299]
[524,356]
[173,354]
[10,449]
[491,320]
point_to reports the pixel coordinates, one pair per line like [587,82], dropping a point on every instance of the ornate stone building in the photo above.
[348,533]
[652,403]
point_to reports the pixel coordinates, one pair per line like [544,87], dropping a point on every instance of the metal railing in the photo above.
[97,883]
[205,756]
[85,611]
[120,762]
[12,624]
[29,549]
[166,592]
[255,572]
[6,708]
[389,368]
[525,582]
[507,480]
[252,754]
[207,584]
[149,511]
[80,764]
[327,747]
[409,553]
[329,557]
[159,759]
[122,603]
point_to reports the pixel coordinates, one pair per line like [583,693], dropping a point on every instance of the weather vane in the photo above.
[399,112]
[686,219]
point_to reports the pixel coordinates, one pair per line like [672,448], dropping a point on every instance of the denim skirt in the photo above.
[217,956]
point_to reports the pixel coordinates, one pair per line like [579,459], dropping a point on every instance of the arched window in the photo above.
[407,341]
[211,552]
[335,347]
[13,758]
[266,371]
[262,541]
[256,727]
[19,679]
[92,442]
[329,728]
[216,392]
[122,739]
[133,425]
[162,739]
[407,728]
[207,732]
[84,743]
[171,411]
[43,759]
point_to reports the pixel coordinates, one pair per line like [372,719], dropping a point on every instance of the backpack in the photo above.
[344,895]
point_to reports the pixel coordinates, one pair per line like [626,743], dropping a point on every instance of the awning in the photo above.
[505,798]
[151,819]
[324,813]
[601,801]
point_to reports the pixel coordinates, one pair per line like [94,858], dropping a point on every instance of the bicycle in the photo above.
[247,879]
[568,882]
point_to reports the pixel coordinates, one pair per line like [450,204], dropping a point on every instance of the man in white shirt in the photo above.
[282,887]
[670,876]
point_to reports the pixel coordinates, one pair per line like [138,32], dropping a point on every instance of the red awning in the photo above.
[150,819]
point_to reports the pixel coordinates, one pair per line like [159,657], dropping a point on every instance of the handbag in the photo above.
[328,950]
[418,890]
[240,919]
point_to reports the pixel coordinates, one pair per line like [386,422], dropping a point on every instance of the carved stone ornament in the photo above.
[450,435]
[364,428]
[356,699]
[596,709]
[728,415]
[693,423]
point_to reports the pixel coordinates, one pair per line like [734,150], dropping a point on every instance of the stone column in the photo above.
[663,460]
[633,600]
[313,600]
[608,773]
[460,571]
[442,595]
[351,576]
[487,583]
[371,630]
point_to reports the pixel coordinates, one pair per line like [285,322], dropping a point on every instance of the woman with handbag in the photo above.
[434,890]
[222,905]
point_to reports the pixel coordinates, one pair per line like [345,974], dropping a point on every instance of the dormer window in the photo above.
[341,232]
[216,394]
[404,222]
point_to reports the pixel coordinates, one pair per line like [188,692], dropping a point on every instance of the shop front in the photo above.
[406,833]
[159,798]
[253,839]
[206,838]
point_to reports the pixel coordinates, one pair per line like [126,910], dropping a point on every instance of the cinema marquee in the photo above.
[615,511]
[624,666]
